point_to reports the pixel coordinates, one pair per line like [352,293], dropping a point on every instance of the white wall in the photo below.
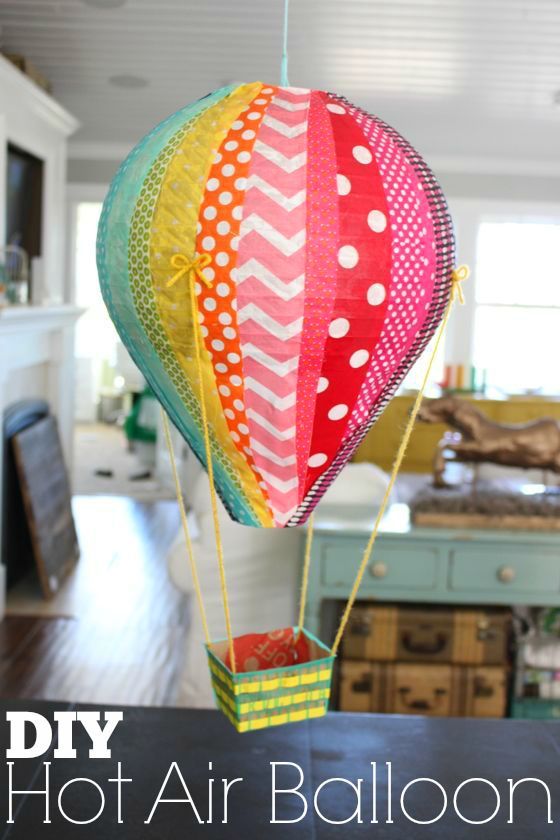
[508,187]
[91,171]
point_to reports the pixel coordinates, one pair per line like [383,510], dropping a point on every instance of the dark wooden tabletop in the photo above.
[150,740]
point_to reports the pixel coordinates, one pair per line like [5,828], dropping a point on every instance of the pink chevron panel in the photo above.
[270,278]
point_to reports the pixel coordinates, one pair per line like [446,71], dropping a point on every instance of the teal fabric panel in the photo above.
[112,264]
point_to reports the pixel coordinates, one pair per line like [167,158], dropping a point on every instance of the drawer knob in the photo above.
[506,574]
[378,570]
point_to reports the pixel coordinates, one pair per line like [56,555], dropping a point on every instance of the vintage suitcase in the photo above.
[424,635]
[481,637]
[422,689]
[414,689]
[362,687]
[385,633]
[479,691]
[371,633]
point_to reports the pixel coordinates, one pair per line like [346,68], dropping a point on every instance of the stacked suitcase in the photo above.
[429,661]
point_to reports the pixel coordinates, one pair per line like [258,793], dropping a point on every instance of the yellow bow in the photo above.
[457,276]
[186,266]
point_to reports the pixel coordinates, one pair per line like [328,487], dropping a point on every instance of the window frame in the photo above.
[468,214]
[77,194]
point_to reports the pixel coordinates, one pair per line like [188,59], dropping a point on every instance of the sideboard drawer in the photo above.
[389,568]
[500,571]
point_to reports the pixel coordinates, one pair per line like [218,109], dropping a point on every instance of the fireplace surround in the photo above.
[36,362]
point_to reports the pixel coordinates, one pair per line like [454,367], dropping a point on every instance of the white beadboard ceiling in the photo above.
[464,80]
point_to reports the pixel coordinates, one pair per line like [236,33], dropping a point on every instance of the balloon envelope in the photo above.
[328,252]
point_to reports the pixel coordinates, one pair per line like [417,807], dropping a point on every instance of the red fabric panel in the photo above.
[320,271]
[363,277]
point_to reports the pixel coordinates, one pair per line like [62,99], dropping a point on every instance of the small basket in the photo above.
[259,699]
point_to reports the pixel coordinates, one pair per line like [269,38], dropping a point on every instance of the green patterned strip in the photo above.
[146,308]
[112,250]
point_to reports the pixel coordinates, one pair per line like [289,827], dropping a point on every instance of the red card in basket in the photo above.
[262,651]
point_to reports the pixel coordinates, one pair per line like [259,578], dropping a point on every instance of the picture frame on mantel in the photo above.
[35,123]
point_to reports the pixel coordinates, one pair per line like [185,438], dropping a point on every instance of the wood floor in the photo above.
[125,644]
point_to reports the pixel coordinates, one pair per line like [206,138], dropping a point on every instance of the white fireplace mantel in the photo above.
[32,336]
[37,318]
[37,360]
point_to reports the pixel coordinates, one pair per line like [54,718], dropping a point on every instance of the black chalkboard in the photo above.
[46,495]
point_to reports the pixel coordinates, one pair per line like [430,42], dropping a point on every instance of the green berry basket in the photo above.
[259,699]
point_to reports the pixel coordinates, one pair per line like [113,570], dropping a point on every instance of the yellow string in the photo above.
[186,266]
[305,576]
[195,268]
[186,529]
[457,276]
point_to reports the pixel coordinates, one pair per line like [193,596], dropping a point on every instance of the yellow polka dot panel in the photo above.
[321,251]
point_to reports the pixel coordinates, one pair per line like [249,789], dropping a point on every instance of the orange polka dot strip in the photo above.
[218,229]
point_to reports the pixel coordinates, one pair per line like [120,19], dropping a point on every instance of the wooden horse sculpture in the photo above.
[480,440]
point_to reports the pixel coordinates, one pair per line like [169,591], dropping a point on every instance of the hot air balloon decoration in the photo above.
[275,259]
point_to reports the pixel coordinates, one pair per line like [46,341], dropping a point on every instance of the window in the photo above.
[95,335]
[96,341]
[415,377]
[517,295]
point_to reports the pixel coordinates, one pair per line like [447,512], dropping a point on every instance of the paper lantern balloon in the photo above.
[321,250]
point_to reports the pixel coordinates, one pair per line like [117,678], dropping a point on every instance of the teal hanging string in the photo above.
[284,67]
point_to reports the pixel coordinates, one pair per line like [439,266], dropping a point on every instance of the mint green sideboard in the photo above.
[428,565]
